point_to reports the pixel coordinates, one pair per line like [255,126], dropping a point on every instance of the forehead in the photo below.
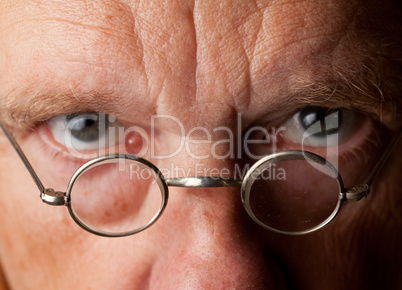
[165,56]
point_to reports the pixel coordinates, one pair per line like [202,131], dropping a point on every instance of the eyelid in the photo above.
[60,132]
[278,118]
[278,138]
[126,140]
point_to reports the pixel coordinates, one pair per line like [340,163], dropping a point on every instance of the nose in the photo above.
[207,246]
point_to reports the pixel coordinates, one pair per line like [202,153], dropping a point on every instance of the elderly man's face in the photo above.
[205,64]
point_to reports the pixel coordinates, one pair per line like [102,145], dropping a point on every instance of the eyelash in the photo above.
[54,151]
[354,149]
[372,138]
[61,152]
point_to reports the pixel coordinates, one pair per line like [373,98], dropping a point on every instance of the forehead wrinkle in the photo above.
[89,53]
[74,31]
[223,54]
[305,88]
[348,70]
[363,91]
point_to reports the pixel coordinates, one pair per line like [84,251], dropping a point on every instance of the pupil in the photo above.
[85,127]
[327,120]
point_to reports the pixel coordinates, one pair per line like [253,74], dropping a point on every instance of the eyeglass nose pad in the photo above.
[204,181]
[358,192]
[51,197]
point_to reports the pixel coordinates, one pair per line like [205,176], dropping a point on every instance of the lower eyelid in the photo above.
[352,149]
[59,150]
[355,142]
[355,158]
[52,167]
[368,135]
[133,144]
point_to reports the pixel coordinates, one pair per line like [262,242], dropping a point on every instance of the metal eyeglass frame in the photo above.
[357,192]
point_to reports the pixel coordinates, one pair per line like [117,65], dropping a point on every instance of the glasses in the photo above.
[119,195]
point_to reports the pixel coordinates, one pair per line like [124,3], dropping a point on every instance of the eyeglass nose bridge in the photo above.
[204,181]
[52,197]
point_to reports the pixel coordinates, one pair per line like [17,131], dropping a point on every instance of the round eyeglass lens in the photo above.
[292,193]
[117,196]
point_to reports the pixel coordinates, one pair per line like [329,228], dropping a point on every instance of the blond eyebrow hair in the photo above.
[26,106]
[373,89]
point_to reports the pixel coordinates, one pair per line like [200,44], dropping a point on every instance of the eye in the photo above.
[321,127]
[317,129]
[84,132]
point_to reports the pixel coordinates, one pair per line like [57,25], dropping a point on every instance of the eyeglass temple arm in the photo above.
[24,159]
[384,158]
[357,192]
[362,190]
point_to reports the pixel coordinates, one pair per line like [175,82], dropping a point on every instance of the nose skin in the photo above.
[205,245]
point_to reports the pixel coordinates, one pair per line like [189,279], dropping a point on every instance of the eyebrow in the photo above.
[23,108]
[363,93]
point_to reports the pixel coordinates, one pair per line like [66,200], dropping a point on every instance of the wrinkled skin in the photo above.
[202,63]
